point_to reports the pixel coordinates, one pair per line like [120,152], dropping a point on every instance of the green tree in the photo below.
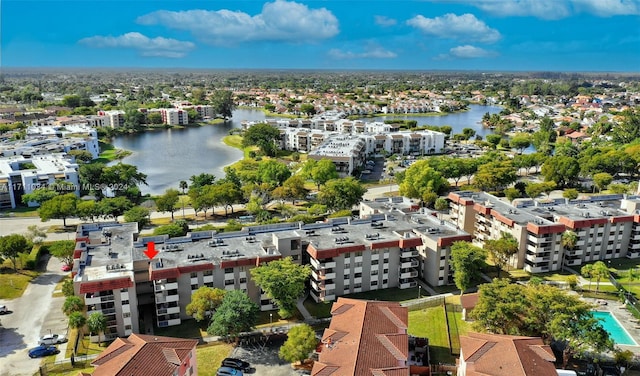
[283,281]
[77,320]
[133,118]
[308,109]
[167,202]
[199,181]
[39,195]
[183,185]
[222,102]
[154,117]
[569,240]
[264,136]
[467,261]
[59,207]
[501,250]
[419,178]
[63,250]
[560,169]
[570,193]
[72,101]
[441,204]
[72,304]
[174,230]
[114,206]
[138,214]
[341,194]
[587,272]
[520,141]
[236,314]
[600,271]
[495,175]
[97,323]
[273,173]
[627,130]
[320,172]
[301,341]
[204,302]
[11,246]
[602,180]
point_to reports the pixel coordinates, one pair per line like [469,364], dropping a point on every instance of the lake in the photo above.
[168,156]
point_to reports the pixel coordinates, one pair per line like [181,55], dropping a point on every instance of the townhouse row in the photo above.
[606,226]
[347,255]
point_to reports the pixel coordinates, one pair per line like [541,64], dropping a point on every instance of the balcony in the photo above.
[207,279]
[194,281]
[408,285]
[410,274]
[328,265]
[406,254]
[166,286]
[410,264]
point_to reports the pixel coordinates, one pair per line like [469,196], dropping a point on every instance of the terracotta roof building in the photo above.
[365,338]
[146,355]
[483,354]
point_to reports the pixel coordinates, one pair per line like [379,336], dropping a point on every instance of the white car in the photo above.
[52,339]
[3,309]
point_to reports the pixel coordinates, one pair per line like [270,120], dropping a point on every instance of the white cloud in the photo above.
[554,9]
[385,21]
[279,21]
[464,27]
[470,52]
[158,46]
[371,51]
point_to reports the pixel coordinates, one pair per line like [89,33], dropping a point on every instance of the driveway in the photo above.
[21,328]
[264,358]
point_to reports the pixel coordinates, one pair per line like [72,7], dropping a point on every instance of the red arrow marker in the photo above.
[151,250]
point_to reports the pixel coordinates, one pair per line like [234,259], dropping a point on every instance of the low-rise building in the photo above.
[20,175]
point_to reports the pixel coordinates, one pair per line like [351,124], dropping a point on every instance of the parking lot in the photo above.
[262,353]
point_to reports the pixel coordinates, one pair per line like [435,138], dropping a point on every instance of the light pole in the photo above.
[419,290]
[271,319]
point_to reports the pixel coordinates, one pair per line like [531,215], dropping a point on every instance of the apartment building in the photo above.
[20,175]
[606,226]
[204,111]
[348,153]
[113,118]
[174,116]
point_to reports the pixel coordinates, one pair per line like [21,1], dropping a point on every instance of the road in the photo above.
[32,315]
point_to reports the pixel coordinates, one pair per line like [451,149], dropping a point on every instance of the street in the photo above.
[32,315]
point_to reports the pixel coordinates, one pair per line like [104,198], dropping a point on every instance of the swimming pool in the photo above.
[618,334]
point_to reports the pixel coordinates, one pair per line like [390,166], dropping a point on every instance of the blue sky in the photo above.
[514,35]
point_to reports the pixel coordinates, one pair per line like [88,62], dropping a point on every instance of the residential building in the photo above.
[20,175]
[173,116]
[204,111]
[147,355]
[607,227]
[365,338]
[348,153]
[501,355]
[113,118]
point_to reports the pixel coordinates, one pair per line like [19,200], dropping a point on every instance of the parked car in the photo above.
[52,339]
[66,267]
[228,371]
[3,309]
[236,363]
[40,351]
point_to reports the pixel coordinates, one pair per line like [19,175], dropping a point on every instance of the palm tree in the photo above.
[569,241]
[587,272]
[600,271]
[183,185]
[77,320]
[97,323]
[72,304]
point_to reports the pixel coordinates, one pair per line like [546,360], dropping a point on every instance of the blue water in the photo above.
[618,334]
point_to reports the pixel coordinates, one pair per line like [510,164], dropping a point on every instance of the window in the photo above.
[358,264]
[125,302]
[357,285]
[358,253]
[194,274]
[346,276]
[126,314]
[358,275]
[194,287]
[295,257]
[228,270]
[127,327]
[229,282]
[207,272]
[385,281]
[374,283]
[374,262]
[243,280]
[374,272]
[209,284]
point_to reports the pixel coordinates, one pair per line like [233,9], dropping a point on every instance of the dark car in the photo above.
[42,350]
[236,363]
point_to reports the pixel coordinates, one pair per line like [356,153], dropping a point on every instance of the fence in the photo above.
[426,302]
[452,327]
[66,365]
[632,303]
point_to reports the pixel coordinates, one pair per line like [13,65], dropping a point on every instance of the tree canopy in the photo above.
[204,302]
[11,246]
[540,310]
[341,194]
[420,178]
[501,249]
[236,314]
[467,261]
[59,207]
[63,250]
[320,172]
[301,341]
[264,136]
[283,281]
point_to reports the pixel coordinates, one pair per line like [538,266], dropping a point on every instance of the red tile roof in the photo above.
[145,355]
[105,285]
[365,338]
[502,355]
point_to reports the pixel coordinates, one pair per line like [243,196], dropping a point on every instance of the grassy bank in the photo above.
[109,153]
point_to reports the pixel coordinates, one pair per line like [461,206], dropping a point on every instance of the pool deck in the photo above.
[625,318]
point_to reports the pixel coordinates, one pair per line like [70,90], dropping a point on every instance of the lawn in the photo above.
[210,356]
[108,153]
[57,292]
[64,369]
[318,310]
[20,212]
[430,323]
[188,329]
[13,284]
[272,318]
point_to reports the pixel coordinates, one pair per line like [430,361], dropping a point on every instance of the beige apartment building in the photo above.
[607,226]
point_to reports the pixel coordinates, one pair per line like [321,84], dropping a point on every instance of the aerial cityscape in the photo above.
[435,187]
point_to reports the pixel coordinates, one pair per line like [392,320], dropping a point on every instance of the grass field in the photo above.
[64,369]
[430,323]
[210,356]
[13,284]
